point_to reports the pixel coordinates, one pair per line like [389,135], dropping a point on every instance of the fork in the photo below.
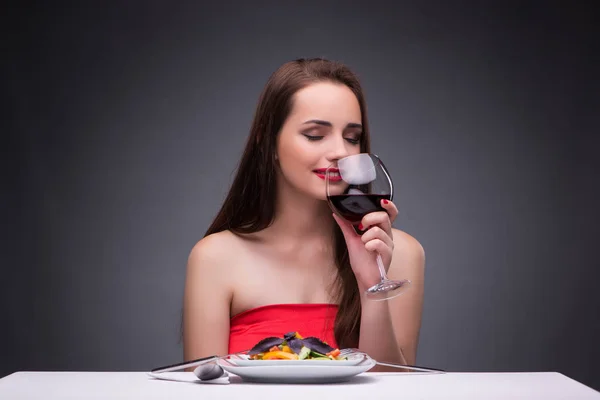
[347,352]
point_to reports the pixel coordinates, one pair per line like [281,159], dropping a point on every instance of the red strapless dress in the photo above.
[250,327]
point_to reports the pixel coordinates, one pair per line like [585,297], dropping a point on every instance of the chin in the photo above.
[320,195]
[316,193]
[307,189]
[319,192]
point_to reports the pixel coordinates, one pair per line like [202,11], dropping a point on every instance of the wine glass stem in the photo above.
[381,267]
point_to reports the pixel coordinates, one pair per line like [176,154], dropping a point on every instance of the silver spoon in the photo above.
[206,372]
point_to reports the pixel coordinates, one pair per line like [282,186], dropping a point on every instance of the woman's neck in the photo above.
[298,216]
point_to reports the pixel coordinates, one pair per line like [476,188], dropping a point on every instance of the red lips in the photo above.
[335,177]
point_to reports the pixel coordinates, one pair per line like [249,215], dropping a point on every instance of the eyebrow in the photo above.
[327,123]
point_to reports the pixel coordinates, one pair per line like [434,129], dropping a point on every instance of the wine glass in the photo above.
[355,186]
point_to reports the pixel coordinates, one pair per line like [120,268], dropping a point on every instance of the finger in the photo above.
[378,246]
[390,208]
[375,232]
[346,227]
[377,218]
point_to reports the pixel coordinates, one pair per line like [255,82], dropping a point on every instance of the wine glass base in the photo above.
[387,289]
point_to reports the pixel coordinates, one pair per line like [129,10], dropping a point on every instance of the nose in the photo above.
[338,150]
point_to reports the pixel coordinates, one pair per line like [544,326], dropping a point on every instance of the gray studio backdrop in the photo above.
[127,121]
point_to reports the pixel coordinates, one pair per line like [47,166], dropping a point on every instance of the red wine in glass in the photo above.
[353,207]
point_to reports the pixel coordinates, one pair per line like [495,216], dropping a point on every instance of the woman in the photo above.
[276,259]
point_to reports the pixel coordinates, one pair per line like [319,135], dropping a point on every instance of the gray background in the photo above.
[124,124]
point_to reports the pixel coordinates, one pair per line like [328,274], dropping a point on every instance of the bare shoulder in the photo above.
[214,245]
[215,253]
[408,250]
[207,296]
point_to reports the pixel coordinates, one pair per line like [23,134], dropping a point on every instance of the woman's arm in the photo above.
[387,326]
[207,298]
[389,330]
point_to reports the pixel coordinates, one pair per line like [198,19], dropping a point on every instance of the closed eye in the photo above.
[353,137]
[313,137]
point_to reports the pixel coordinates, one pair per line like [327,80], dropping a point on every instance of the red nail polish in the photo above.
[360,227]
[385,201]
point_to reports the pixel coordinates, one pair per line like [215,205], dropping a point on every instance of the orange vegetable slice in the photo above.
[279,355]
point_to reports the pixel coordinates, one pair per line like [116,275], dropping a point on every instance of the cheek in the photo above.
[295,153]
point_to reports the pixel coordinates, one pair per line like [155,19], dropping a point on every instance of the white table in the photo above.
[384,386]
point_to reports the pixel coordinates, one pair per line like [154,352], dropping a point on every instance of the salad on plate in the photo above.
[292,346]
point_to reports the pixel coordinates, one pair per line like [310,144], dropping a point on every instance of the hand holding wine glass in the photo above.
[359,186]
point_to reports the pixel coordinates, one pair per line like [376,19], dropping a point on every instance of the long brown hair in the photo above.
[250,204]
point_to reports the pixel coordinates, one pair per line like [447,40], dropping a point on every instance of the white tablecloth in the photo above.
[368,386]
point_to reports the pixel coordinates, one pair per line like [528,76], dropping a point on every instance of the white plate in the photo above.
[245,362]
[295,373]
